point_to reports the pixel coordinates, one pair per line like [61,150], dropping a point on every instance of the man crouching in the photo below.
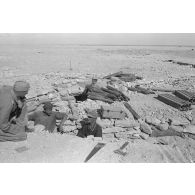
[13,112]
[48,118]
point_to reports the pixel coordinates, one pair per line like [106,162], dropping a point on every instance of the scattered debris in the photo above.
[190,129]
[170,132]
[21,149]
[145,128]
[161,141]
[152,120]
[174,101]
[112,112]
[121,149]
[139,89]
[193,117]
[185,95]
[94,151]
[181,63]
[144,136]
[161,89]
[113,130]
[135,115]
[127,77]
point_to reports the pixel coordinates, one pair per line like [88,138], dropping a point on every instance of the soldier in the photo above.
[48,118]
[88,88]
[91,126]
[13,112]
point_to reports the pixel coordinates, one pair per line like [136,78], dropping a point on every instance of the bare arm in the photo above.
[86,90]
[62,123]
[63,117]
[99,122]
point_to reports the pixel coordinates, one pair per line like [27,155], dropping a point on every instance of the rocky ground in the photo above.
[59,84]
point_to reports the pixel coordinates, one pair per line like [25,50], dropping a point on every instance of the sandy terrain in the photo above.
[31,61]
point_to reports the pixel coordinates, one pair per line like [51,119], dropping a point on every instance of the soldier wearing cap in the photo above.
[13,111]
[89,88]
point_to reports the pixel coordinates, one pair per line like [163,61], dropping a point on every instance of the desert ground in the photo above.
[45,65]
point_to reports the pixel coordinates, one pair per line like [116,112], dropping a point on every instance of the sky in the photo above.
[100,38]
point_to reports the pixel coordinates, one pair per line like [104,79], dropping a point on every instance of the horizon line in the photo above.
[78,44]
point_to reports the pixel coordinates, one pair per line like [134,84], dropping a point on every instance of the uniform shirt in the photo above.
[90,127]
[8,106]
[9,109]
[49,121]
[91,88]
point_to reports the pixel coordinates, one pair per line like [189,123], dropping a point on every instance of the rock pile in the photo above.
[59,88]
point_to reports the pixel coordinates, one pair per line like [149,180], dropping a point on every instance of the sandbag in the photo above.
[169,132]
[126,123]
[190,129]
[100,98]
[123,96]
[113,130]
[112,112]
[144,127]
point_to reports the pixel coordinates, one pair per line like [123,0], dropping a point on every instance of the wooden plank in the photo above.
[113,75]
